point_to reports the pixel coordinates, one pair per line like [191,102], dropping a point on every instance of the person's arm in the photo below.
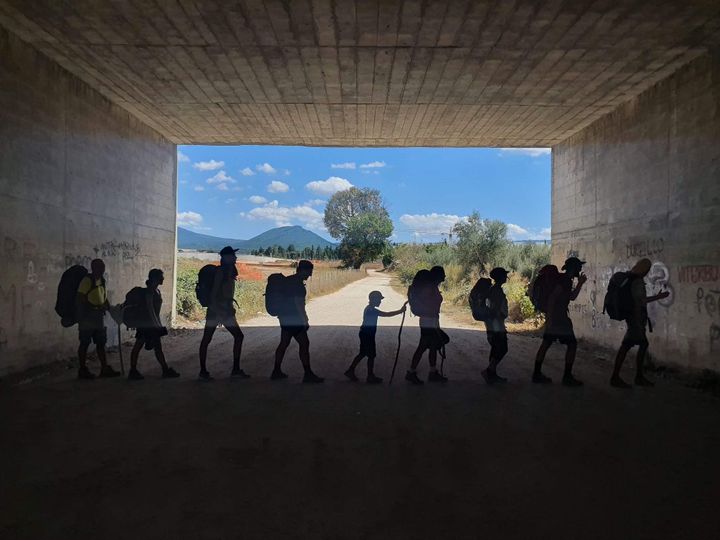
[658,296]
[81,299]
[403,309]
[150,306]
[582,278]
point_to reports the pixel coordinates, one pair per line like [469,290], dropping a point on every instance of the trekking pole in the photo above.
[397,354]
[122,365]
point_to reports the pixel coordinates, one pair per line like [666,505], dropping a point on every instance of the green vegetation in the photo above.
[481,245]
[317,253]
[359,219]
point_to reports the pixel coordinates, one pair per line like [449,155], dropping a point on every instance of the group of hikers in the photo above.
[82,299]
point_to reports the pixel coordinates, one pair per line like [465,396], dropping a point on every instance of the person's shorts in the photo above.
[215,318]
[367,345]
[433,338]
[151,336]
[561,331]
[635,335]
[294,329]
[498,342]
[91,328]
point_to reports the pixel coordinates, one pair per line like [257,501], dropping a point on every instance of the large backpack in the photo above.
[478,299]
[135,314]
[618,303]
[275,294]
[65,305]
[542,286]
[420,294]
[204,285]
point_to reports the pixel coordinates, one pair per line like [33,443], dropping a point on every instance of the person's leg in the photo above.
[371,377]
[204,343]
[285,337]
[616,380]
[160,356]
[640,379]
[83,371]
[350,372]
[568,378]
[304,343]
[135,353]
[539,359]
[411,374]
[497,353]
[238,338]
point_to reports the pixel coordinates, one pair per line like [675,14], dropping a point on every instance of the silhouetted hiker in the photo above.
[367,336]
[289,293]
[92,303]
[632,293]
[497,305]
[558,326]
[142,312]
[425,300]
[220,310]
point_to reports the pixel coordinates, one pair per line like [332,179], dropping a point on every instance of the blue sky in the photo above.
[241,191]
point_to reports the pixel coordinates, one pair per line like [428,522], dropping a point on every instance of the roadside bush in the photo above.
[520,307]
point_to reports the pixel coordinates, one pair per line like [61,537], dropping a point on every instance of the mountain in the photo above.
[280,236]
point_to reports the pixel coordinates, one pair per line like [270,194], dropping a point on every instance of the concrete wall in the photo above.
[79,178]
[645,181]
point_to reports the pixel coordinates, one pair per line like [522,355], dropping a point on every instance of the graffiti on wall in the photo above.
[708,304]
[647,247]
[115,248]
[702,273]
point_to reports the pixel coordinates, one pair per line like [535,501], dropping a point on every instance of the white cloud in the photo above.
[276,186]
[223,187]
[199,188]
[209,165]
[516,232]
[221,178]
[189,219]
[330,186]
[545,234]
[182,158]
[287,215]
[430,224]
[346,165]
[316,202]
[265,168]
[371,172]
[183,182]
[257,199]
[247,171]
[373,165]
[230,200]
[286,172]
[532,152]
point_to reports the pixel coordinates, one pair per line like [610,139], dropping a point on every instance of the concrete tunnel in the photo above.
[95,96]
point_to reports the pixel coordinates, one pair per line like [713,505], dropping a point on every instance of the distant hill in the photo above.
[280,236]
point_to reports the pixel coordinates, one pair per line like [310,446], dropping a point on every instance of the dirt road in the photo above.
[262,459]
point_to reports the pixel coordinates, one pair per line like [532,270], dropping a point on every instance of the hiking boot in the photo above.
[372,379]
[239,374]
[135,375]
[412,377]
[539,378]
[108,372]
[85,374]
[487,376]
[436,376]
[170,373]
[350,374]
[617,382]
[569,380]
[277,374]
[642,381]
[204,375]
[310,377]
[492,378]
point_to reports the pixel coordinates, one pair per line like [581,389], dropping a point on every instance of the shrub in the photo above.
[520,307]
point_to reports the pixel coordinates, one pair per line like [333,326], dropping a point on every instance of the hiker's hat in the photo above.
[375,295]
[495,273]
[572,262]
[228,250]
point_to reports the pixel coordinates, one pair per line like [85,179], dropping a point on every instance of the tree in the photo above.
[359,220]
[479,241]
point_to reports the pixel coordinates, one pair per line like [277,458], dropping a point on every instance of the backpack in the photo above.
[420,294]
[135,313]
[65,305]
[204,285]
[275,294]
[477,299]
[618,303]
[542,286]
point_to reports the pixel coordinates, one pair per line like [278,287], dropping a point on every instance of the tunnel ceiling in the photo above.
[335,72]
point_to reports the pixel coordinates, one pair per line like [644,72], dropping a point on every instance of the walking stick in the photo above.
[397,354]
[122,365]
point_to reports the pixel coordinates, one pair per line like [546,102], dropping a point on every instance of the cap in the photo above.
[375,294]
[497,272]
[574,262]
[228,250]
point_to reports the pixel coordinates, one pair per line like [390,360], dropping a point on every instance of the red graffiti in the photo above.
[698,274]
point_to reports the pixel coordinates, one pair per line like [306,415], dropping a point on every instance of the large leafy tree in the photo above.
[479,241]
[358,218]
